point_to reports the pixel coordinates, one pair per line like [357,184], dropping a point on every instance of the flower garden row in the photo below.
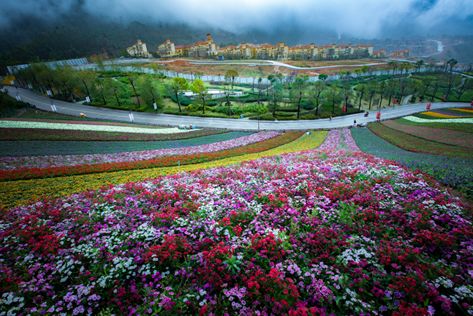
[414,143]
[66,148]
[15,134]
[317,232]
[254,143]
[416,119]
[21,192]
[89,127]
[454,172]
[12,163]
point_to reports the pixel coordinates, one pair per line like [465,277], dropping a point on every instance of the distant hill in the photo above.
[78,34]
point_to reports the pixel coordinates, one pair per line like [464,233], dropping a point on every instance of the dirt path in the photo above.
[440,135]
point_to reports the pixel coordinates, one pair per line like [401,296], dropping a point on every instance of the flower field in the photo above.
[416,119]
[439,135]
[244,145]
[11,163]
[20,192]
[416,144]
[454,172]
[325,231]
[18,134]
[66,148]
[89,127]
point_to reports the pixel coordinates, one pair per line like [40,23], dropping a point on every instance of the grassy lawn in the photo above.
[454,172]
[416,144]
[38,148]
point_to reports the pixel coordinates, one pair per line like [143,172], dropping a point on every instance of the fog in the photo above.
[355,18]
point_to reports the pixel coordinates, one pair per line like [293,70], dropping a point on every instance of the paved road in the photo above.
[45,103]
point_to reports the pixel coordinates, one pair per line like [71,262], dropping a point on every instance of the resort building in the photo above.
[400,53]
[138,50]
[167,49]
[204,49]
[280,51]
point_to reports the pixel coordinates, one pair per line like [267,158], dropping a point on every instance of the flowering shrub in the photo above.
[317,232]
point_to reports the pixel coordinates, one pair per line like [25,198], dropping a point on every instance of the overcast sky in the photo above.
[358,18]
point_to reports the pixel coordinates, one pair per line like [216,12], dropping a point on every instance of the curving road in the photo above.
[47,104]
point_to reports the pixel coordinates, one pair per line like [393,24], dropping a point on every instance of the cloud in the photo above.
[359,18]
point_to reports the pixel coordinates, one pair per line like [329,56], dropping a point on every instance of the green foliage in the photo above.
[9,106]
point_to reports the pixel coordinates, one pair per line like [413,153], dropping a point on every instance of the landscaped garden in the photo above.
[109,218]
[330,230]
[271,95]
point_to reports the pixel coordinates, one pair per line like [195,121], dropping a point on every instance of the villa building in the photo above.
[138,50]
[204,49]
[167,49]
[400,53]
[280,51]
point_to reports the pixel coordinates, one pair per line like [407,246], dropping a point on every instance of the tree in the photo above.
[148,92]
[347,92]
[198,87]
[111,88]
[323,77]
[316,92]
[451,63]
[335,96]
[276,92]
[299,86]
[260,81]
[465,85]
[390,87]
[393,65]
[362,91]
[381,88]
[371,92]
[87,79]
[132,83]
[419,64]
[66,80]
[231,75]
[177,86]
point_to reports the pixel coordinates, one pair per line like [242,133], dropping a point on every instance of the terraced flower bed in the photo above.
[89,126]
[461,127]
[18,134]
[456,173]
[416,144]
[75,160]
[53,166]
[20,192]
[444,136]
[318,232]
[66,148]
[429,120]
